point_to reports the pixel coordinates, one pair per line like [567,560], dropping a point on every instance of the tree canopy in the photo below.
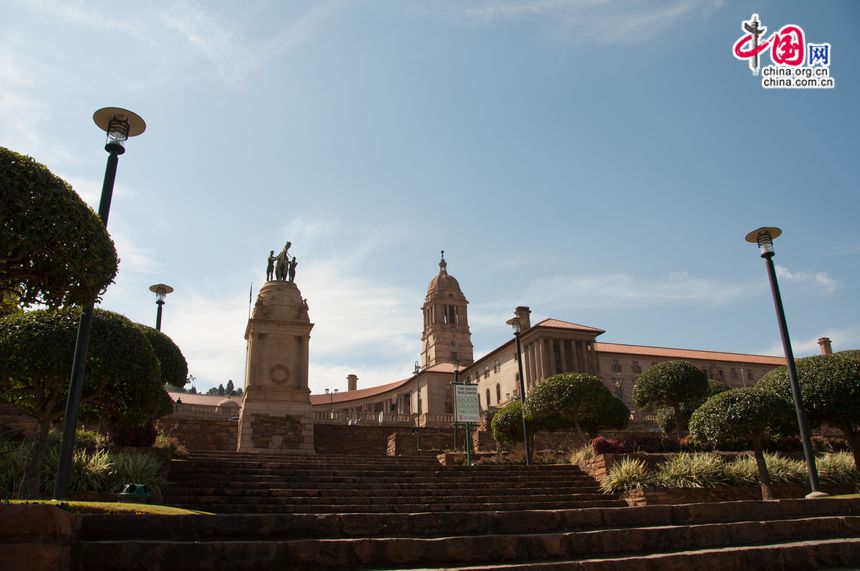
[174,367]
[670,384]
[507,423]
[122,381]
[54,249]
[575,400]
[830,392]
[666,414]
[744,415]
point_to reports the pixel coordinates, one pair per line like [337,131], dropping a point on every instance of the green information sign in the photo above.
[466,405]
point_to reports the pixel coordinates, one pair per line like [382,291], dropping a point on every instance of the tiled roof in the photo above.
[559,324]
[687,354]
[207,400]
[359,394]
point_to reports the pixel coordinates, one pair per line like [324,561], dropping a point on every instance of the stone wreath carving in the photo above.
[279,374]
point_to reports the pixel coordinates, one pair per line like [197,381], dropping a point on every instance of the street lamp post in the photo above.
[160,291]
[515,323]
[119,124]
[764,237]
[331,394]
[417,429]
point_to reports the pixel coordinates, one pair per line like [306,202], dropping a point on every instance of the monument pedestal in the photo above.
[276,410]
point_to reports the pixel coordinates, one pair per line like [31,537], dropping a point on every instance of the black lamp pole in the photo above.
[119,124]
[160,291]
[515,323]
[764,237]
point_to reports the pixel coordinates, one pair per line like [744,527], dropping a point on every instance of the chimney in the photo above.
[522,313]
[351,382]
[824,343]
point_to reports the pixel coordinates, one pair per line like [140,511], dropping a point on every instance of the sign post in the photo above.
[467,410]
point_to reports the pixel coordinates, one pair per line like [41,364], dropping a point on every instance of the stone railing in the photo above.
[428,419]
[363,418]
[198,410]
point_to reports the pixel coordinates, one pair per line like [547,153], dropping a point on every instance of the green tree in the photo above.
[745,415]
[174,367]
[192,390]
[230,389]
[220,390]
[575,400]
[670,384]
[507,424]
[54,250]
[36,351]
[830,392]
[666,415]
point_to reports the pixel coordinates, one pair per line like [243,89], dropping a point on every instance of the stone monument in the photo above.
[276,410]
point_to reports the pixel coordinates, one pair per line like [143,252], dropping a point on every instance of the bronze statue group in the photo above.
[282,267]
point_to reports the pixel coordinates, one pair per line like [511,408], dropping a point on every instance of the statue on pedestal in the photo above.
[281,263]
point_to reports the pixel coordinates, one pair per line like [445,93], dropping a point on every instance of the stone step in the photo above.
[405,552]
[314,490]
[382,499]
[363,487]
[345,525]
[358,477]
[378,496]
[275,508]
[382,466]
[834,554]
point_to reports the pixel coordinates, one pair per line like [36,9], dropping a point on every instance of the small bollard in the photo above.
[138,493]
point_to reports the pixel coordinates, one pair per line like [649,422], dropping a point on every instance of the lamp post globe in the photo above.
[118,124]
[160,291]
[764,238]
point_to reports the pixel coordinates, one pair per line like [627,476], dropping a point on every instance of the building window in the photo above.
[498,393]
[635,367]
[721,374]
[750,376]
[488,398]
[616,366]
[734,373]
[486,372]
[496,367]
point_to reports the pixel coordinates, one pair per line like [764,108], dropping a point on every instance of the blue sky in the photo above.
[598,161]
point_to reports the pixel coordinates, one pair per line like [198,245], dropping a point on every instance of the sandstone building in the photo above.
[549,347]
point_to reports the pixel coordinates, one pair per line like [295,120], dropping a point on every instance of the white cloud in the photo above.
[602,21]
[841,339]
[818,280]
[362,323]
[620,290]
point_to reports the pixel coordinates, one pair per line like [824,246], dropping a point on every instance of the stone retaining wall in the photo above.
[651,496]
[405,443]
[201,433]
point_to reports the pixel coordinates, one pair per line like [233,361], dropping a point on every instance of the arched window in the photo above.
[488,398]
[498,393]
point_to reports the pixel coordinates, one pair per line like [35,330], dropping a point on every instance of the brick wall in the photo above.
[402,442]
[201,433]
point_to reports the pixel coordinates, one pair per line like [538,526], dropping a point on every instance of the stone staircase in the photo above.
[410,513]
[241,483]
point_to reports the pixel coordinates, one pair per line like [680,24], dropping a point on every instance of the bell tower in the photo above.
[446,337]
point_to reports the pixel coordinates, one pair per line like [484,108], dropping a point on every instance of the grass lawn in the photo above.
[112,508]
[847,496]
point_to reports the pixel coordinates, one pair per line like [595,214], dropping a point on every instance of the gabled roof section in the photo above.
[202,399]
[559,324]
[360,394]
[671,353]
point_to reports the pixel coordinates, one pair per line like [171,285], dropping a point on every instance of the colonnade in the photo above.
[540,359]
